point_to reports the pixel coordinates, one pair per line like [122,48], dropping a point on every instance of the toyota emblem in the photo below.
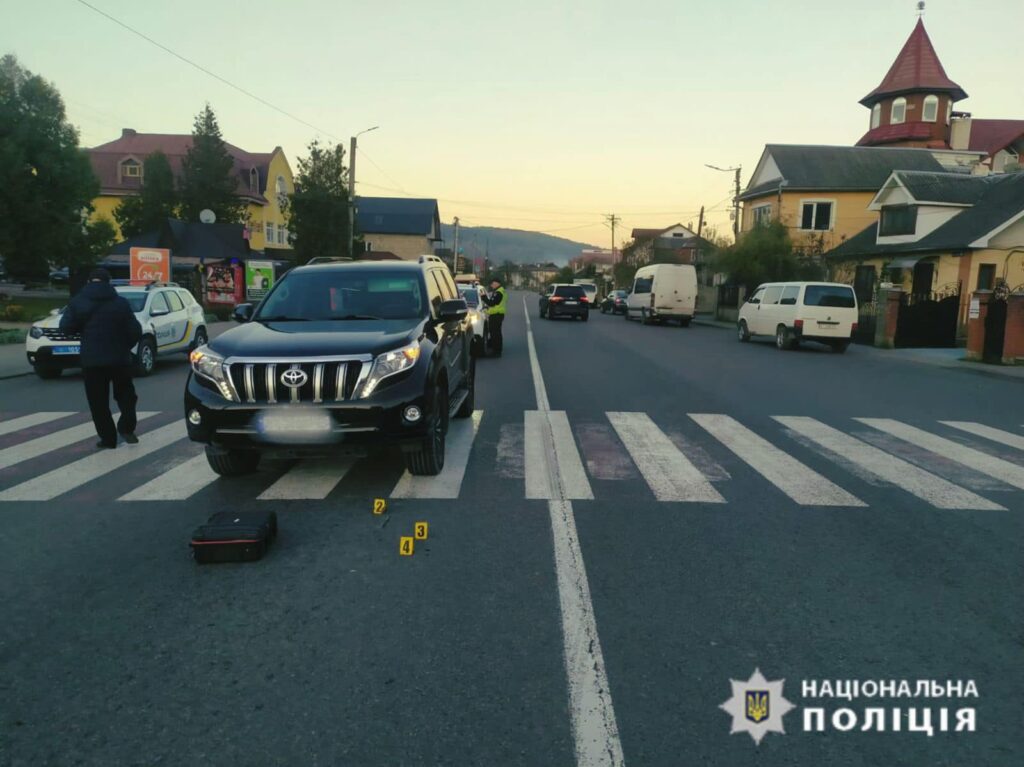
[294,378]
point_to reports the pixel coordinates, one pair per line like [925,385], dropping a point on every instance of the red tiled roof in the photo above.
[917,68]
[990,136]
[105,159]
[887,134]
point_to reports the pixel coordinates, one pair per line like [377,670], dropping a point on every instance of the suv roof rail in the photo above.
[158,284]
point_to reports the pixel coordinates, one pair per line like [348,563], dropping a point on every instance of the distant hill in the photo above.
[516,245]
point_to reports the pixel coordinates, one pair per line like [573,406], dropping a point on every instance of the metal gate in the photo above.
[995,329]
[928,319]
[866,319]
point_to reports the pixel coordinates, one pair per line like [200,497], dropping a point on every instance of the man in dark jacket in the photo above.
[109,332]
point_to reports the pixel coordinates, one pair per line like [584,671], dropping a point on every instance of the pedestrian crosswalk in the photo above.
[47,456]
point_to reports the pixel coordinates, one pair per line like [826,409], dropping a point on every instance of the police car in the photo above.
[172,321]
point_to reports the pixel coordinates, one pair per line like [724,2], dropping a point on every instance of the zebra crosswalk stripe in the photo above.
[447,484]
[30,420]
[996,435]
[34,448]
[903,474]
[805,486]
[552,465]
[311,479]
[1007,472]
[177,484]
[668,472]
[66,478]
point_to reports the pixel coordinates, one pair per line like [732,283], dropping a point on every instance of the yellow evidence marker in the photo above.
[405,546]
[420,531]
[379,505]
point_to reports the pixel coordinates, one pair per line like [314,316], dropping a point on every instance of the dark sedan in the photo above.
[614,302]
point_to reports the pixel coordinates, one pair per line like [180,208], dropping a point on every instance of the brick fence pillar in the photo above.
[1013,343]
[976,325]
[887,317]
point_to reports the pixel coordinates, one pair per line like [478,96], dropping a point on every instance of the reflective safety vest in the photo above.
[500,307]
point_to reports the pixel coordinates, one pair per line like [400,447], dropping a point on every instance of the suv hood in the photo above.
[285,340]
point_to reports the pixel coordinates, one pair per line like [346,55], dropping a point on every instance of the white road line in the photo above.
[668,472]
[903,474]
[311,479]
[32,419]
[1010,473]
[594,727]
[448,483]
[34,448]
[59,481]
[996,435]
[177,484]
[805,486]
[553,467]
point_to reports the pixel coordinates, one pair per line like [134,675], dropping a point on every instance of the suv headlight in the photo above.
[389,364]
[36,332]
[210,365]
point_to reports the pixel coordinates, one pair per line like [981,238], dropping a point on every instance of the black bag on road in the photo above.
[234,536]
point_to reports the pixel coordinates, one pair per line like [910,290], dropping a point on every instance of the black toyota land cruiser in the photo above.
[337,357]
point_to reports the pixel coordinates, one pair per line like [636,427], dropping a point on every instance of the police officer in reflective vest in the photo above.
[497,301]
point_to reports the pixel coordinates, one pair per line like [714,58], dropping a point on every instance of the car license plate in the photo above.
[70,349]
[570,303]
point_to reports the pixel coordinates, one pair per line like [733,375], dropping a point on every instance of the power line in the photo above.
[375,165]
[206,71]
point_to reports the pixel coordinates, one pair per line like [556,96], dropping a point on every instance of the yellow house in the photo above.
[822,193]
[939,237]
[264,181]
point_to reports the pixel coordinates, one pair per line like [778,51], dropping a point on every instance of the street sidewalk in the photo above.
[952,359]
[14,363]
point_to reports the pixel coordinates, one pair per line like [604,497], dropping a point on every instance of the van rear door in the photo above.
[675,290]
[828,311]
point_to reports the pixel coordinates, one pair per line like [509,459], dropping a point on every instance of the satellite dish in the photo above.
[207,216]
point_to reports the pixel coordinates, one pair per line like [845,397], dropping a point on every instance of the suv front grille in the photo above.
[326,381]
[56,334]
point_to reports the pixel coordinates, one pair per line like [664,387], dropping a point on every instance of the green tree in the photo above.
[318,209]
[90,244]
[764,254]
[565,275]
[157,201]
[46,182]
[207,174]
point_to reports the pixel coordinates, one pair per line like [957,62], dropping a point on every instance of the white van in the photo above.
[663,292]
[590,288]
[825,312]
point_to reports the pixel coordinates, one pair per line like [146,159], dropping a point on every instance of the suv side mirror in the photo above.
[453,310]
[242,313]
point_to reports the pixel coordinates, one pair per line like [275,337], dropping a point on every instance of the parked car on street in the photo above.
[792,312]
[663,292]
[172,322]
[60,276]
[564,301]
[337,358]
[477,316]
[615,302]
[590,288]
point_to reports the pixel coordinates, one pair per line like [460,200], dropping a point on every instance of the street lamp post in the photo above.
[352,192]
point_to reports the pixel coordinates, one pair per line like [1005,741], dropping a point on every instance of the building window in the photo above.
[876,116]
[762,215]
[930,113]
[949,112]
[897,219]
[254,181]
[899,111]
[270,233]
[131,169]
[816,216]
[280,187]
[986,276]
[282,235]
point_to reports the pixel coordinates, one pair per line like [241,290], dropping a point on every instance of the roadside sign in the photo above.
[149,265]
[259,277]
[221,285]
[975,312]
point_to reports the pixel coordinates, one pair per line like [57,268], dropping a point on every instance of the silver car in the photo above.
[474,295]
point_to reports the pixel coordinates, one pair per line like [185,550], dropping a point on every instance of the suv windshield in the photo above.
[136,300]
[569,291]
[346,294]
[829,295]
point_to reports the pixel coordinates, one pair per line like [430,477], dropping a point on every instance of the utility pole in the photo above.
[736,198]
[612,220]
[455,251]
[352,192]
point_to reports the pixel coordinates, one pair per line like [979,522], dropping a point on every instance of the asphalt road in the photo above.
[681,538]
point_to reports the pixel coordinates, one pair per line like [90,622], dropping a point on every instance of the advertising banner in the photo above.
[221,285]
[149,265]
[259,278]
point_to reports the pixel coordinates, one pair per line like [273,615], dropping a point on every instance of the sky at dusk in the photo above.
[532,115]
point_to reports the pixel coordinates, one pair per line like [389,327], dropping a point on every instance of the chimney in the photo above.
[128,132]
[960,132]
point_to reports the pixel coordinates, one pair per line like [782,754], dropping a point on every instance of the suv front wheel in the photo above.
[427,458]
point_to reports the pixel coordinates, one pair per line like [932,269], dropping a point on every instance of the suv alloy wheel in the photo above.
[428,458]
